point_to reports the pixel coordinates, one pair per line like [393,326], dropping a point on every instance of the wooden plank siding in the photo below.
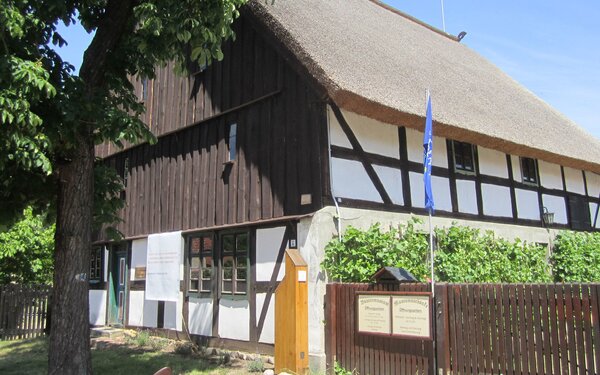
[183,181]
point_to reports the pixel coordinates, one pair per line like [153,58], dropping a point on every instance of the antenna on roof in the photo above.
[443,18]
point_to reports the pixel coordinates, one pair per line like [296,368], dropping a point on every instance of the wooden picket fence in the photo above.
[479,329]
[24,311]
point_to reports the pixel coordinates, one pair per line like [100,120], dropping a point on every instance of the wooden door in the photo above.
[118,287]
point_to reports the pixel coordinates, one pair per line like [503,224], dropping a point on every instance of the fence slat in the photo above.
[595,302]
[587,328]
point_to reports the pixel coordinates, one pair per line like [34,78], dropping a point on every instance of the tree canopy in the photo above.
[51,119]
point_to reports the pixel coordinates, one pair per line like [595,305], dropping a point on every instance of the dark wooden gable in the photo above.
[184,181]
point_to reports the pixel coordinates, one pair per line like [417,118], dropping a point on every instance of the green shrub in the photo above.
[463,254]
[339,370]
[576,257]
[256,366]
[362,253]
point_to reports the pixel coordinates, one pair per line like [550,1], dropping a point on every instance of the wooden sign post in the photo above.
[291,316]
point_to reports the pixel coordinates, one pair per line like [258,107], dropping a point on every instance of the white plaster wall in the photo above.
[516,167]
[268,242]
[593,184]
[150,314]
[496,200]
[174,314]
[234,319]
[574,180]
[97,307]
[492,162]
[558,206]
[414,147]
[350,180]
[528,206]
[440,187]
[268,332]
[200,316]
[139,250]
[136,308]
[391,179]
[374,136]
[550,176]
[593,215]
[313,234]
[337,135]
[467,196]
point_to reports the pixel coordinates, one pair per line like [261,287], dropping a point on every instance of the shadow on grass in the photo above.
[30,357]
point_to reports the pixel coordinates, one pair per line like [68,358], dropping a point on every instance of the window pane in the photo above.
[468,158]
[240,287]
[227,273]
[194,285]
[206,285]
[241,274]
[228,262]
[122,271]
[241,262]
[228,244]
[207,262]
[227,285]
[242,242]
[206,273]
[458,159]
[207,244]
[195,245]
[195,262]
[194,273]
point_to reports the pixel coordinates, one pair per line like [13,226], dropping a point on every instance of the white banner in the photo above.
[163,266]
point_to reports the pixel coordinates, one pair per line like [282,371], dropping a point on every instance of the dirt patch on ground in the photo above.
[220,361]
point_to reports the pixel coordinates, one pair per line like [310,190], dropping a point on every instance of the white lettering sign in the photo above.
[163,266]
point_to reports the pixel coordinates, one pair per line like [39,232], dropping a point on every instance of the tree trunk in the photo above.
[69,333]
[69,350]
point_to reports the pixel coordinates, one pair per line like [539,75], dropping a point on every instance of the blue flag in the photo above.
[427,153]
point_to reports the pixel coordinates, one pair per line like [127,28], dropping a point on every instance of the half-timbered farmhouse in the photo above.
[312,122]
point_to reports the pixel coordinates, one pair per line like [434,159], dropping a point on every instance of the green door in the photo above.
[118,286]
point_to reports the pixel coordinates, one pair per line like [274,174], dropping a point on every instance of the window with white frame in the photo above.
[234,260]
[529,169]
[201,265]
[464,157]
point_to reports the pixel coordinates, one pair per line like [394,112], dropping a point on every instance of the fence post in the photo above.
[330,327]
[442,329]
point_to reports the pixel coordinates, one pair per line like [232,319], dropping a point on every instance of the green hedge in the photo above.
[576,257]
[463,254]
[466,255]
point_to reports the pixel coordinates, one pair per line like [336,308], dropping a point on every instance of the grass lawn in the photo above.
[30,357]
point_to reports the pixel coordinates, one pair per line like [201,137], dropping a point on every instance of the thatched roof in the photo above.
[376,61]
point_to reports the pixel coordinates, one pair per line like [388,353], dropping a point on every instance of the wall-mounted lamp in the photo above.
[548,217]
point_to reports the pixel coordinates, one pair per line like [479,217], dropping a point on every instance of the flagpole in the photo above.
[431,256]
[428,144]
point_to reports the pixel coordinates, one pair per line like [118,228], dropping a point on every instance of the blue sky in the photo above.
[551,47]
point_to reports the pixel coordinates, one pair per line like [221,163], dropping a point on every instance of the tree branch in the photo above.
[110,31]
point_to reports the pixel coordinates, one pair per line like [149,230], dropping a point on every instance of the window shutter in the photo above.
[580,213]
